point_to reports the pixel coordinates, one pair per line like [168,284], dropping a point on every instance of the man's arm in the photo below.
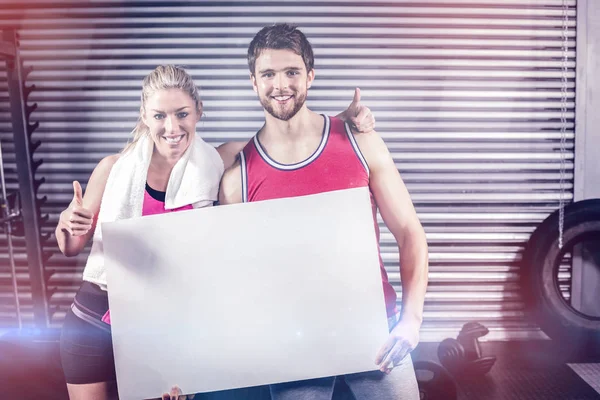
[230,191]
[229,152]
[398,213]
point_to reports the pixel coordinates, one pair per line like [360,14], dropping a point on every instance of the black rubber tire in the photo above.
[539,265]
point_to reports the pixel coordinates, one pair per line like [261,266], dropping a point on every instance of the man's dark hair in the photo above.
[280,37]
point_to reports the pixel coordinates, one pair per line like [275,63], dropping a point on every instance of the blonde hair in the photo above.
[163,77]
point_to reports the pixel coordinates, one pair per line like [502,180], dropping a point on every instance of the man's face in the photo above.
[281,81]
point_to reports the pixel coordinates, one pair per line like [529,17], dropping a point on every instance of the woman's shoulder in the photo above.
[102,170]
[105,165]
[109,161]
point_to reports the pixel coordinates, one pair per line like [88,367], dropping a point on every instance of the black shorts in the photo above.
[86,351]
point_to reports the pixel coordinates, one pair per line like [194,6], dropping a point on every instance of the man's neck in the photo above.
[294,129]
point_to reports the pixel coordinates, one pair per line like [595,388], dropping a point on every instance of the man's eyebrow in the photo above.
[263,71]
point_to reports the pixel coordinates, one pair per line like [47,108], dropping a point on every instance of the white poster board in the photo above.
[244,295]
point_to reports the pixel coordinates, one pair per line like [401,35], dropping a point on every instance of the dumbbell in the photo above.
[462,356]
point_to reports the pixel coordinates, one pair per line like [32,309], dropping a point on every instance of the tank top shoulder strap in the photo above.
[246,152]
[341,135]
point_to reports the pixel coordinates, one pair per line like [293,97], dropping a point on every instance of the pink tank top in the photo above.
[336,164]
[151,206]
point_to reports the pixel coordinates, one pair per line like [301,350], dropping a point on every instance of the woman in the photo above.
[145,178]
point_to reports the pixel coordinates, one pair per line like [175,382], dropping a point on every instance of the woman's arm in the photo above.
[77,222]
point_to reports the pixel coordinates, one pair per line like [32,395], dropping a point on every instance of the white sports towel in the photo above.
[194,180]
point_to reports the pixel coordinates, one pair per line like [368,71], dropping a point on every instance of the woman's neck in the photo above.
[159,170]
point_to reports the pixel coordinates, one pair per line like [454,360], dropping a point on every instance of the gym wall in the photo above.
[472,98]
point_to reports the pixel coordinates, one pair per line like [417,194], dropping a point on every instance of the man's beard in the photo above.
[279,113]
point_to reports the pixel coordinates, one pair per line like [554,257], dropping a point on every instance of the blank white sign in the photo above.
[246,294]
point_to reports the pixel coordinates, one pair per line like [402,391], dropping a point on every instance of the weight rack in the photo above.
[28,212]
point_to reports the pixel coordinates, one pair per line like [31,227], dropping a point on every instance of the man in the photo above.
[298,152]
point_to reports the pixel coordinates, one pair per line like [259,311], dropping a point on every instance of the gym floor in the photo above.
[539,369]
[531,370]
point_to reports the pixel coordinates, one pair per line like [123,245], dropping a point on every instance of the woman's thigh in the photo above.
[93,391]
[86,352]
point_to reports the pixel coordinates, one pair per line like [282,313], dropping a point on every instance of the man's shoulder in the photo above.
[336,122]
[231,184]
[368,138]
[233,171]
[230,152]
[372,147]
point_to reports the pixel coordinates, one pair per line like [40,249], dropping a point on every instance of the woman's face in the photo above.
[171,115]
